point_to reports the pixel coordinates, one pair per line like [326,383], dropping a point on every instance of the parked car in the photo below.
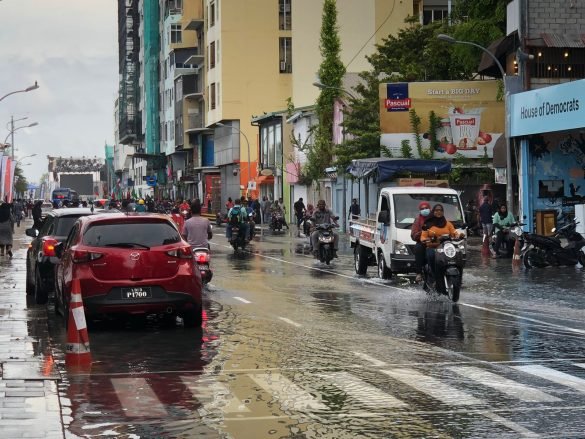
[40,257]
[134,264]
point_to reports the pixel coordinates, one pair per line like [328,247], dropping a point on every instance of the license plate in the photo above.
[203,267]
[136,293]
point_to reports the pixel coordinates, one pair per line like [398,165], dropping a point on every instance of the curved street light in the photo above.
[31,88]
[219,124]
[523,56]
[13,130]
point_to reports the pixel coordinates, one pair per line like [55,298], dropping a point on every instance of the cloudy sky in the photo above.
[70,48]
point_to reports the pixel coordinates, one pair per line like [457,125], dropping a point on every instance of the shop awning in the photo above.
[384,169]
[265,179]
[500,48]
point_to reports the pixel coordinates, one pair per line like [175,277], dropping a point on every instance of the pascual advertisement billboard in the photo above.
[471,117]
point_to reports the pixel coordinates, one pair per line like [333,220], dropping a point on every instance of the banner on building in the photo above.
[11,180]
[471,118]
[4,165]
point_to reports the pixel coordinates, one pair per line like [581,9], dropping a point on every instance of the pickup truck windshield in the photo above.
[406,208]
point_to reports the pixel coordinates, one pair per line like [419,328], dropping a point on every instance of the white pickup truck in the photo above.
[384,241]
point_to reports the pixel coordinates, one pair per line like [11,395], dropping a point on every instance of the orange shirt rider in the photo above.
[436,226]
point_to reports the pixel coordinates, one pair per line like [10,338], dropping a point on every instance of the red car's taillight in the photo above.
[183,253]
[49,246]
[201,257]
[81,256]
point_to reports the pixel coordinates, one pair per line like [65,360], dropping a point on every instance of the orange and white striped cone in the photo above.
[485,246]
[516,258]
[77,353]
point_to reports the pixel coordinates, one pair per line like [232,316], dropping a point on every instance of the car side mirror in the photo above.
[384,217]
[59,250]
[32,232]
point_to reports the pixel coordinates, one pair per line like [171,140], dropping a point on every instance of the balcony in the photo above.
[195,123]
[192,87]
[195,24]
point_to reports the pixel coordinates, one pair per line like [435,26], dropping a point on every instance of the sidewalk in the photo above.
[29,400]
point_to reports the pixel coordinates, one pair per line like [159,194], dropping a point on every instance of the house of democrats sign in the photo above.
[555,108]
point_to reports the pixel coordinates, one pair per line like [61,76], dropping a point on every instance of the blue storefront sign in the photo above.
[555,108]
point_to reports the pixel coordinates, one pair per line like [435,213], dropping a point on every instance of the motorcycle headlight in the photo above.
[449,250]
[325,238]
[517,231]
[463,247]
[400,248]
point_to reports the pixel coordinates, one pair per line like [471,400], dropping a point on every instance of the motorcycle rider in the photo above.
[502,220]
[420,249]
[197,229]
[434,227]
[323,216]
[241,217]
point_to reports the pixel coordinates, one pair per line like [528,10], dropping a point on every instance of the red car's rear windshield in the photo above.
[147,234]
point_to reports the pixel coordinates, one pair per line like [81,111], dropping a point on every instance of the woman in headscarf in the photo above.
[436,226]
[6,229]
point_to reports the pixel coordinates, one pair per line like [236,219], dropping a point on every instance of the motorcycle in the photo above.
[276,222]
[447,275]
[541,251]
[308,225]
[202,258]
[238,239]
[512,233]
[221,218]
[252,224]
[326,238]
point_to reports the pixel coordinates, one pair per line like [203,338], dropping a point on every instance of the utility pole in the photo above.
[12,134]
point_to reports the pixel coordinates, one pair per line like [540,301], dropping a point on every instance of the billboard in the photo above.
[471,117]
[81,183]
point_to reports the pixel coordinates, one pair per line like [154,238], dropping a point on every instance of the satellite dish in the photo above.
[266,172]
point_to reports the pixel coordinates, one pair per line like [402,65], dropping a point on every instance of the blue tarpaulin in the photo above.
[384,169]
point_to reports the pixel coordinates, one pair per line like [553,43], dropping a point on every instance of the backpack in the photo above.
[234,218]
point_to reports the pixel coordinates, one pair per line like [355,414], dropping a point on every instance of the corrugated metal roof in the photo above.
[562,41]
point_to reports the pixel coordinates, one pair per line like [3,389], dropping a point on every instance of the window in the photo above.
[211,17]
[271,145]
[176,34]
[285,55]
[174,7]
[212,55]
[212,92]
[434,13]
[284,15]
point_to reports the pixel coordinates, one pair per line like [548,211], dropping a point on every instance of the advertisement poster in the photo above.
[10,188]
[3,168]
[471,117]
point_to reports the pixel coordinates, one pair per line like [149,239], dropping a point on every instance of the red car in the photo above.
[129,264]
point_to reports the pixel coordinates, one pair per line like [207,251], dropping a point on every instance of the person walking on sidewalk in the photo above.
[6,229]
[354,210]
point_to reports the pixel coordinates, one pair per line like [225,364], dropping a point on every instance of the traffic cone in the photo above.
[516,258]
[485,246]
[77,353]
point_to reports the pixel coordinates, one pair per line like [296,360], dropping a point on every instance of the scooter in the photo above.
[277,222]
[512,233]
[202,258]
[326,238]
[447,275]
[238,239]
[541,251]
[221,218]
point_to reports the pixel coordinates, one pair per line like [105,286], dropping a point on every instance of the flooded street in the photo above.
[294,348]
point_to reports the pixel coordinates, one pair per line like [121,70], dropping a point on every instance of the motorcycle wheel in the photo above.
[383,271]
[532,259]
[453,287]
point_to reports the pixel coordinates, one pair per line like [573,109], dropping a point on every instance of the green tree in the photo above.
[331,72]
[20,183]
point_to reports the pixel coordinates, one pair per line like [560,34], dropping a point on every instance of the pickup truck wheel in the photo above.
[361,260]
[383,270]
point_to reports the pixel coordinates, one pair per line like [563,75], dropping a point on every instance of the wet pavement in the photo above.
[29,402]
[294,348]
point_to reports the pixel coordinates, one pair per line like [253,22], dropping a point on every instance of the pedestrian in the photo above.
[299,208]
[420,249]
[6,229]
[265,208]
[485,217]
[229,204]
[37,214]
[18,211]
[283,212]
[355,211]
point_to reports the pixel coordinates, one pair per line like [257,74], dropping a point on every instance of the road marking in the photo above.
[290,322]
[369,359]
[137,398]
[504,385]
[511,425]
[242,299]
[214,395]
[553,375]
[432,387]
[289,394]
[528,319]
[363,392]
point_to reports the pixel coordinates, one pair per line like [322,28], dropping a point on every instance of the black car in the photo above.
[40,257]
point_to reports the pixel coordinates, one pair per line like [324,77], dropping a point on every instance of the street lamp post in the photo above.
[509,189]
[12,130]
[31,88]
[219,124]
[322,86]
